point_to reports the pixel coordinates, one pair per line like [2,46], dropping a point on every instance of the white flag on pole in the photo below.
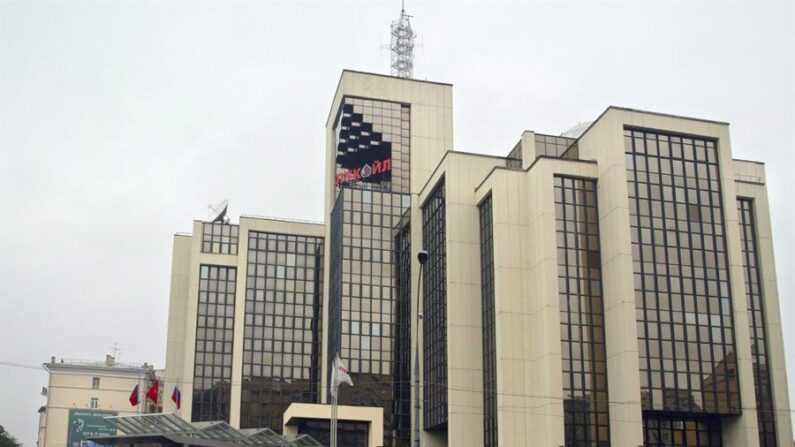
[339,374]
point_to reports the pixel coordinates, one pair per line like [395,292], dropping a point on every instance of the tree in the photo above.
[6,440]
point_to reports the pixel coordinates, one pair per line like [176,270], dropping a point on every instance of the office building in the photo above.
[612,285]
[81,393]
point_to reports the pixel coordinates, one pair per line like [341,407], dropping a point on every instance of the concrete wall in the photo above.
[176,344]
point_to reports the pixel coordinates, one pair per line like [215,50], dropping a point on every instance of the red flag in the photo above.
[176,396]
[134,396]
[152,393]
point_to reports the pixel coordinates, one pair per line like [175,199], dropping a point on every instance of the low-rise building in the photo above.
[80,394]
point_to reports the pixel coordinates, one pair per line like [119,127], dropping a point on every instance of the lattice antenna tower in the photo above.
[402,45]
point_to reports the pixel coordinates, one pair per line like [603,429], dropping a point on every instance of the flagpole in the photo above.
[339,374]
[140,387]
[336,416]
[334,419]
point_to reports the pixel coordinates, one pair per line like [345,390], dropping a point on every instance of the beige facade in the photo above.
[97,386]
[526,292]
[188,257]
[530,376]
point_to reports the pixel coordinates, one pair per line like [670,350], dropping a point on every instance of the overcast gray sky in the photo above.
[121,121]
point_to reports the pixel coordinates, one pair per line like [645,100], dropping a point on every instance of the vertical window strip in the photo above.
[434,326]
[215,323]
[489,324]
[756,321]
[402,372]
[584,363]
[364,299]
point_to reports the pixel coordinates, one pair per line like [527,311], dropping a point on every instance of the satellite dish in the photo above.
[218,211]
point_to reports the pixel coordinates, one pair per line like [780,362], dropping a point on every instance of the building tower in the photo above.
[402,46]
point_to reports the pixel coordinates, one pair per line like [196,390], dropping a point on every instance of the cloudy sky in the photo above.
[121,121]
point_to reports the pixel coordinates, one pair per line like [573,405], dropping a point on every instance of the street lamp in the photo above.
[422,257]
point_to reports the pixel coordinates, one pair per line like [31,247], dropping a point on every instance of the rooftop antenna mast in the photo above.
[402,45]
[116,351]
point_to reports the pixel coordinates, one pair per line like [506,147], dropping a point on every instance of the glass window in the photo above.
[219,237]
[281,344]
[582,339]
[434,323]
[369,303]
[758,327]
[489,325]
[213,360]
[95,383]
[680,264]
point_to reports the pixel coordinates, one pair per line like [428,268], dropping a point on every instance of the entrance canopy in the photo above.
[171,430]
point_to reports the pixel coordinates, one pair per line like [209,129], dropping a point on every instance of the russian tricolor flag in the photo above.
[134,396]
[176,396]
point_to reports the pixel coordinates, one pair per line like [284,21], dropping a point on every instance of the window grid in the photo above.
[759,352]
[661,430]
[218,237]
[402,374]
[489,325]
[683,300]
[215,322]
[363,296]
[281,344]
[551,146]
[434,326]
[95,383]
[584,363]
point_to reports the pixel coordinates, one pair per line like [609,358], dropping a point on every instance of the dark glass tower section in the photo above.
[434,309]
[489,325]
[215,324]
[372,184]
[759,352]
[281,343]
[688,369]
[584,363]
[402,376]
[364,301]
